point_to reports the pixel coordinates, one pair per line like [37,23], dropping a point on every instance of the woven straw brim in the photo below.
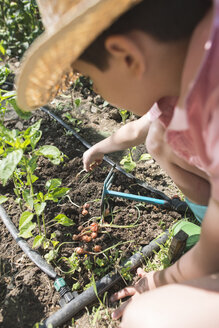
[50,57]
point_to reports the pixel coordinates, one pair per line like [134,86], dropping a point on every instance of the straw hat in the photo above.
[70,26]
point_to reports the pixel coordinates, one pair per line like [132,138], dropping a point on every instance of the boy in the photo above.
[162,52]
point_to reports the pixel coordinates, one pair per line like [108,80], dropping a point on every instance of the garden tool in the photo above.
[169,203]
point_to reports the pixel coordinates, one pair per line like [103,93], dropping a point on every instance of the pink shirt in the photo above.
[193,133]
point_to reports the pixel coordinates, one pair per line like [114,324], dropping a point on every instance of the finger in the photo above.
[86,167]
[119,312]
[128,291]
[141,273]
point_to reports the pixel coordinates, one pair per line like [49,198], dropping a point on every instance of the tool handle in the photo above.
[144,199]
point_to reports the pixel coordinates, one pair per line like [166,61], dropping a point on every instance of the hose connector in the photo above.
[64,291]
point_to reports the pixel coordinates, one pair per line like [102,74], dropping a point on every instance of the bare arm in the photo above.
[129,135]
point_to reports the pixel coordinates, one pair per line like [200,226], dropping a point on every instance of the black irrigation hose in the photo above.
[103,285]
[106,158]
[33,255]
[90,295]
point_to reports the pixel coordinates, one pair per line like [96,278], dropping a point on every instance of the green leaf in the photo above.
[3,199]
[38,241]
[40,196]
[25,218]
[128,165]
[9,94]
[64,220]
[20,112]
[53,235]
[145,157]
[33,129]
[53,183]
[59,192]
[55,243]
[2,49]
[35,138]
[4,71]
[26,231]
[77,102]
[9,164]
[50,152]
[28,197]
[34,178]
[46,244]
[39,208]
[32,163]
[51,255]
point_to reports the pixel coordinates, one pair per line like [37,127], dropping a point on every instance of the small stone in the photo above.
[10,115]
[115,115]
[10,286]
[98,100]
[94,109]
[89,98]
[17,64]
[86,92]
[19,125]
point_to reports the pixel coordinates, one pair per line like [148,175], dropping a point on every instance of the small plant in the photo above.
[160,259]
[74,121]
[19,157]
[127,161]
[145,157]
[124,115]
[9,98]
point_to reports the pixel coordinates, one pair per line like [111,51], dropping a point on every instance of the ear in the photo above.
[128,52]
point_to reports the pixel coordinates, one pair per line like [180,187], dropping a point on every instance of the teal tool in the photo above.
[175,203]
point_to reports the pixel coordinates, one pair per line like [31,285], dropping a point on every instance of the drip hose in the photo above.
[33,255]
[90,295]
[106,158]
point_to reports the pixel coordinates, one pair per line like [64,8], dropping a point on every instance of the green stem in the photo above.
[50,226]
[44,224]
[39,225]
[18,192]
[130,153]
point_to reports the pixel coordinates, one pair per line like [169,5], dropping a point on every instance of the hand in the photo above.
[145,283]
[92,158]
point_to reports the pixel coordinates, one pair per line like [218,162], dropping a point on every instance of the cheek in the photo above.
[123,94]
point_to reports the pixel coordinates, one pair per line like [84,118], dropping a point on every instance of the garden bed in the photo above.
[28,295]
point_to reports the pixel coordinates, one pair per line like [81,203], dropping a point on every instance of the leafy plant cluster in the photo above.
[20,24]
[19,156]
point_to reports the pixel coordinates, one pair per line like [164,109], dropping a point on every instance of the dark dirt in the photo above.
[27,295]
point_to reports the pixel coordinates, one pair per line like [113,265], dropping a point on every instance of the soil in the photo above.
[27,295]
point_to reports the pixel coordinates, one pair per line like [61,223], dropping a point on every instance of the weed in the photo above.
[160,259]
[74,121]
[127,161]
[145,157]
[124,115]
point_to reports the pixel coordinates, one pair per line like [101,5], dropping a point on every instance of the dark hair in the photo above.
[165,20]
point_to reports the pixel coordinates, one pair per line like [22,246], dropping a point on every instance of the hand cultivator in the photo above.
[174,203]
